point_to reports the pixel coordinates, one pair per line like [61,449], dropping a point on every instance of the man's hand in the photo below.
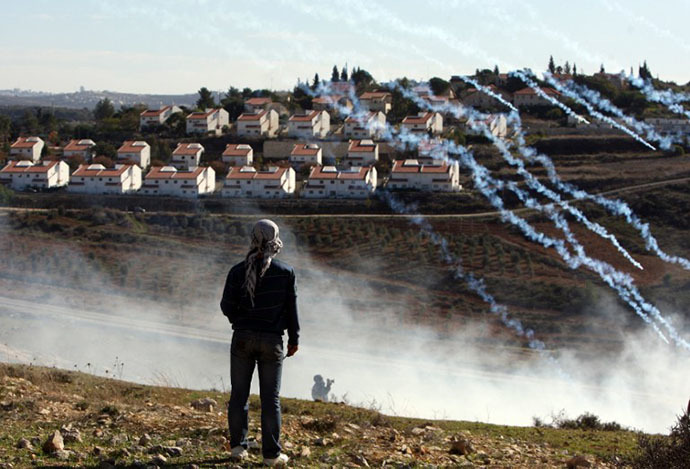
[292,349]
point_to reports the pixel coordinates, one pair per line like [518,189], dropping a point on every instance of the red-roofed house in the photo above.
[23,174]
[361,153]
[248,182]
[83,148]
[167,180]
[27,148]
[376,101]
[528,97]
[424,122]
[309,125]
[437,177]
[136,151]
[475,98]
[328,182]
[256,105]
[437,101]
[370,125]
[305,153]
[209,121]
[187,155]
[238,154]
[96,179]
[155,117]
[335,102]
[260,124]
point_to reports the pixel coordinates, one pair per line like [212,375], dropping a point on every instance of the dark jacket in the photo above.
[275,301]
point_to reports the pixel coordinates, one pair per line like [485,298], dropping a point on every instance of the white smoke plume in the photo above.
[376,357]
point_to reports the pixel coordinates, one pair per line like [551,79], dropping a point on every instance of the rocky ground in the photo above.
[55,418]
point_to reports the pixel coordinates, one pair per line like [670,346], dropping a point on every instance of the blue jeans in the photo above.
[264,349]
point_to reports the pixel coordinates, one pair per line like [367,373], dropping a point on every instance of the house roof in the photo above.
[155,112]
[328,99]
[26,142]
[251,116]
[419,119]
[188,149]
[491,87]
[323,172]
[305,149]
[237,149]
[170,172]
[245,172]
[354,173]
[132,146]
[248,172]
[27,167]
[258,101]
[79,145]
[374,95]
[359,118]
[362,146]
[92,170]
[308,116]
[413,166]
[202,115]
[330,172]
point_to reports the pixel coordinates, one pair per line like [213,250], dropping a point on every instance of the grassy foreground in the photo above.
[104,423]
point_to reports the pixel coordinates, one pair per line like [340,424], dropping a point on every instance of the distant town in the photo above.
[325,139]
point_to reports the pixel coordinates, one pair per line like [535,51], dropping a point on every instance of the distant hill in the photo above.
[88,99]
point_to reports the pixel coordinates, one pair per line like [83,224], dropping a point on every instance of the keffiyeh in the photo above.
[264,247]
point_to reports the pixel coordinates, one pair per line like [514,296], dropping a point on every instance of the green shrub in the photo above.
[666,452]
[5,195]
[586,421]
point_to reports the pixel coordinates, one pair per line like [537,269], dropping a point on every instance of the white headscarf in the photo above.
[264,247]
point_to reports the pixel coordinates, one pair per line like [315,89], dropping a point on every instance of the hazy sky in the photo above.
[175,46]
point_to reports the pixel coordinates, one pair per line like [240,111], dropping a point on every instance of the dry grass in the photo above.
[112,415]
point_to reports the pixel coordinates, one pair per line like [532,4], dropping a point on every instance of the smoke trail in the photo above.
[488,186]
[614,206]
[489,92]
[621,283]
[477,122]
[406,140]
[577,92]
[666,97]
[556,84]
[618,281]
[532,84]
[476,285]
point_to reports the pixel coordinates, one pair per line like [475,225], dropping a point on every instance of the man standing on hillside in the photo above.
[260,301]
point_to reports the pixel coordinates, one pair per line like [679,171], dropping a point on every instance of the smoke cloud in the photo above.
[377,357]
